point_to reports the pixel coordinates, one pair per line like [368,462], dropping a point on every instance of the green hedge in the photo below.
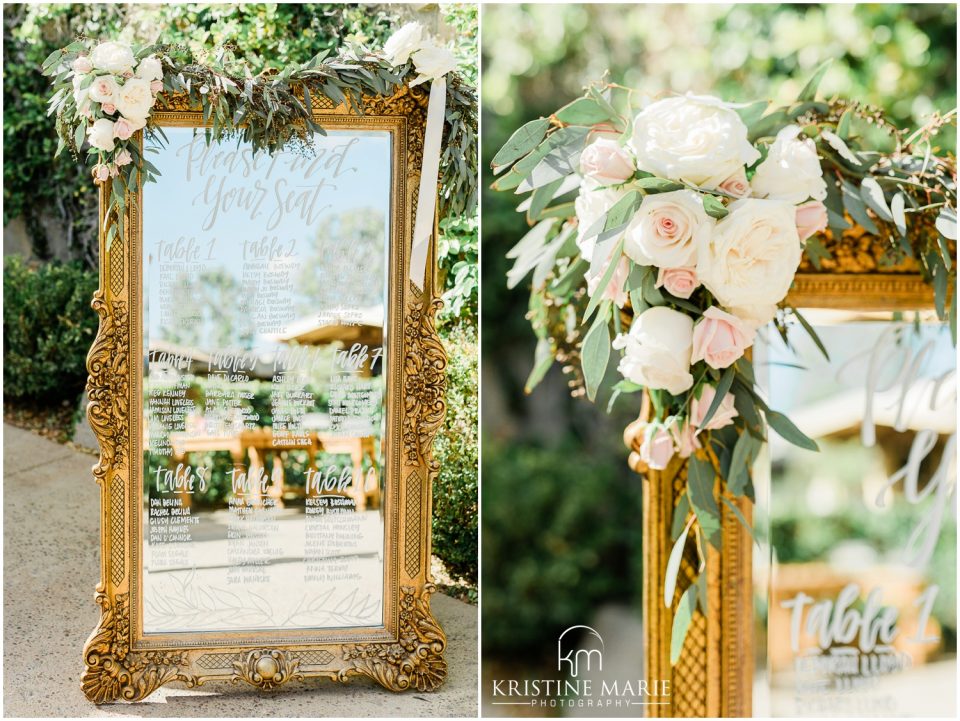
[48,328]
[456,448]
[561,536]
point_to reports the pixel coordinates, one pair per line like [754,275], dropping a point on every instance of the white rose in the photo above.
[752,254]
[791,171]
[432,62]
[668,229]
[697,139]
[150,68]
[112,57]
[134,99]
[103,89]
[591,205]
[401,45]
[658,350]
[100,134]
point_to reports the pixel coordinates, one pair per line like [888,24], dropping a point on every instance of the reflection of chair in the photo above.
[255,444]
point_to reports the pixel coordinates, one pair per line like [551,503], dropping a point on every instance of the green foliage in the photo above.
[458,259]
[561,536]
[457,449]
[47,329]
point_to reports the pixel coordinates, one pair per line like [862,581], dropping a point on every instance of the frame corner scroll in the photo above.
[408,651]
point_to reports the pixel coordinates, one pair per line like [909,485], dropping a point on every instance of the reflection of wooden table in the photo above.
[259,442]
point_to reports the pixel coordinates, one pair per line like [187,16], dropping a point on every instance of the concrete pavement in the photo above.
[51,564]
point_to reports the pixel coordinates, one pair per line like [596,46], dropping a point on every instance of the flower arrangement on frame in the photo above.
[105,91]
[671,234]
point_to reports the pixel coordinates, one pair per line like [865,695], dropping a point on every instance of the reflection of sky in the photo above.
[180,206]
[788,388]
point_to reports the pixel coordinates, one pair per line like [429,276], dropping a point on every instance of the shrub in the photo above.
[561,536]
[48,328]
[456,448]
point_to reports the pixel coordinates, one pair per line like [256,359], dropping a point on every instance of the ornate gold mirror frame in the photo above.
[407,652]
[714,675]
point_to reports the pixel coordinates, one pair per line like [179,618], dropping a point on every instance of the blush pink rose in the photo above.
[685,439]
[720,338]
[101,172]
[724,415]
[811,219]
[123,158]
[82,65]
[679,282]
[657,449]
[156,86]
[109,108]
[616,290]
[123,129]
[606,162]
[736,185]
[114,170]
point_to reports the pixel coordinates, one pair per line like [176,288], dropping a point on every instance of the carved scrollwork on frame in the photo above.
[425,362]
[115,672]
[415,660]
[108,384]
[267,668]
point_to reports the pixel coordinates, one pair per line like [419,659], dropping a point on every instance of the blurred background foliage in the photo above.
[50,206]
[536,58]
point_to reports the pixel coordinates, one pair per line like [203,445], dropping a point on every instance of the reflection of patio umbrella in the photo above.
[925,405]
[363,326]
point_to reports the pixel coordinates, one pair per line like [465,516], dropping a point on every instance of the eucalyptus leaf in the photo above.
[673,566]
[897,205]
[872,195]
[700,485]
[681,622]
[542,362]
[657,185]
[722,388]
[595,352]
[789,432]
[809,91]
[523,140]
[583,111]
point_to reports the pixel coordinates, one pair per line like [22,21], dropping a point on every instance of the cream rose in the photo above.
[100,134]
[103,89]
[112,57]
[752,254]
[697,139]
[723,416]
[811,219]
[134,99]
[592,203]
[403,43]
[678,282]
[605,161]
[720,338]
[658,349]
[150,68]
[432,62]
[668,229]
[791,170]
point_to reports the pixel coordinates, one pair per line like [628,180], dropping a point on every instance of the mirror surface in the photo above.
[265,287]
[862,614]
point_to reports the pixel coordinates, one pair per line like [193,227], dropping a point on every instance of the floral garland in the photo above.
[681,228]
[104,92]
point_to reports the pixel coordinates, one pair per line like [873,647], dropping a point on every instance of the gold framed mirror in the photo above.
[265,387]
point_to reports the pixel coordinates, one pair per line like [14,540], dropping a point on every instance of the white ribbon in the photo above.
[429,176]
